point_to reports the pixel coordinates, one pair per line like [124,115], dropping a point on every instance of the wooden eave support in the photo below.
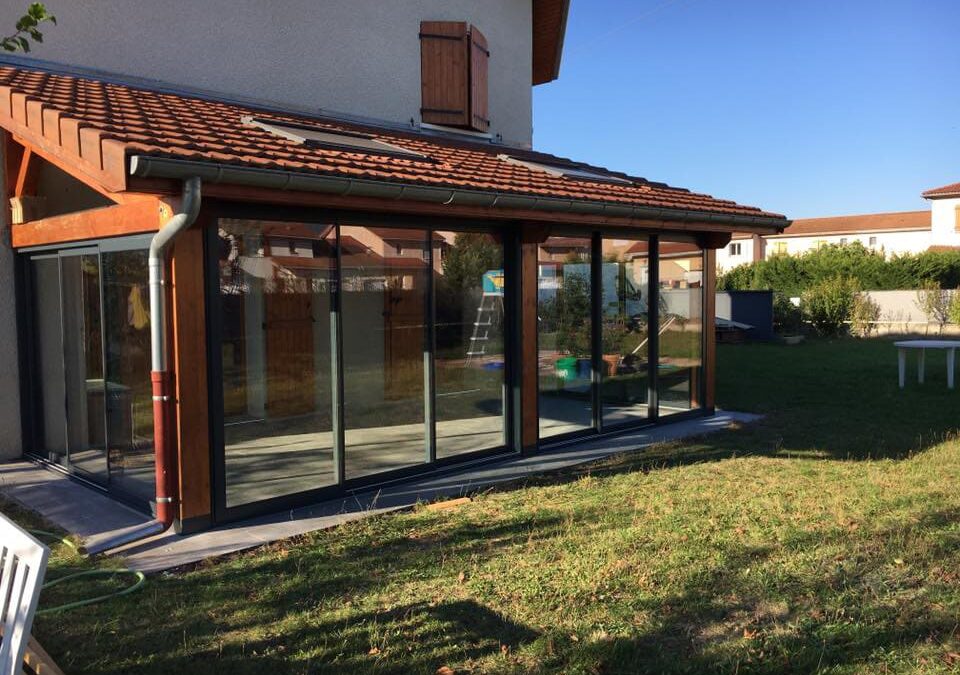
[136,217]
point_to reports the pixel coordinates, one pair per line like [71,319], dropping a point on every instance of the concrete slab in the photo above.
[169,550]
[76,508]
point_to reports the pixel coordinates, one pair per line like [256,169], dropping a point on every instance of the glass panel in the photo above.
[51,429]
[276,282]
[624,388]
[128,391]
[564,335]
[83,360]
[470,358]
[681,326]
[383,305]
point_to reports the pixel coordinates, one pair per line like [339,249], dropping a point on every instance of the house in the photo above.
[255,263]
[945,215]
[892,233]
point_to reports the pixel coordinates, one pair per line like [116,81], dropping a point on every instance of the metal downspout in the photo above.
[162,378]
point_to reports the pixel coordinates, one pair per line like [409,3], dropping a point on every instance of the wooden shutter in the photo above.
[453,75]
[479,58]
[445,73]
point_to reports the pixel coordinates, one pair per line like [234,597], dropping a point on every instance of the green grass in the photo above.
[824,538]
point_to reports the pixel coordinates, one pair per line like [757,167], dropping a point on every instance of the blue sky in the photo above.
[810,108]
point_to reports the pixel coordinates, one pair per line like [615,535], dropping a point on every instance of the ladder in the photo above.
[490,305]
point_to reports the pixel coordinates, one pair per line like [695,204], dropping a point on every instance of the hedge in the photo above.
[793,274]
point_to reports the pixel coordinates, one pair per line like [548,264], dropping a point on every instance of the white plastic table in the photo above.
[950,345]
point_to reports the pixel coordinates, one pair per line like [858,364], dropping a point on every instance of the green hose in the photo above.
[87,573]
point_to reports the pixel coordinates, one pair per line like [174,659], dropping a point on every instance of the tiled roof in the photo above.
[103,123]
[872,222]
[952,190]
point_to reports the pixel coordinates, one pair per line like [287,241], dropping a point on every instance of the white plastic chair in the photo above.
[23,562]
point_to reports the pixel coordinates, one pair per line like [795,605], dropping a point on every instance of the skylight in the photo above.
[326,138]
[566,171]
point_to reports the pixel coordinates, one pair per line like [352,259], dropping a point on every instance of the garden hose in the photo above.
[140,579]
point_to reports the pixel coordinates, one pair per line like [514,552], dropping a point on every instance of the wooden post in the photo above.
[531,236]
[190,380]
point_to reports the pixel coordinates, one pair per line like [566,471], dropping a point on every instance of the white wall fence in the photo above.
[900,314]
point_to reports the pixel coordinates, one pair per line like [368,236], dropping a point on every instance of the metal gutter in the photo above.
[210,172]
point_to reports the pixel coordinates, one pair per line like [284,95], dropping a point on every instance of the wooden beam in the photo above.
[110,221]
[13,158]
[190,377]
[710,328]
[60,161]
[28,175]
[529,373]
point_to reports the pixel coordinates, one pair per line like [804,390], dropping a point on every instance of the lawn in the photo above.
[824,538]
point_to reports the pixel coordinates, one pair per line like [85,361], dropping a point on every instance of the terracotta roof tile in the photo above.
[952,190]
[163,124]
[872,222]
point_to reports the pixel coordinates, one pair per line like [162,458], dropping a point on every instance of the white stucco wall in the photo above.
[945,221]
[10,441]
[360,57]
[726,260]
[890,242]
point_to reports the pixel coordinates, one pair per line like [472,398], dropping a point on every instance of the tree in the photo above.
[28,28]
[471,255]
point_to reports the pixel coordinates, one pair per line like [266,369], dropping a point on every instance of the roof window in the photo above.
[319,137]
[567,171]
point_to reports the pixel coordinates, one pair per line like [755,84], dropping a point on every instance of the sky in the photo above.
[807,108]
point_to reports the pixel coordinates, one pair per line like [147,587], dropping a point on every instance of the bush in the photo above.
[934,302]
[828,304]
[863,315]
[792,275]
[787,317]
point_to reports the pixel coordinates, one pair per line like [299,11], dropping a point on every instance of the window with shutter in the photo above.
[453,75]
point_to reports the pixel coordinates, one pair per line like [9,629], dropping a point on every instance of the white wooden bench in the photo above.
[23,563]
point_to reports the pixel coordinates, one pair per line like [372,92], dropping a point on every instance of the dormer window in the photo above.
[453,75]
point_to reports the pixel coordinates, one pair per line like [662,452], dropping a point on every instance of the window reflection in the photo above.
[470,357]
[276,280]
[564,335]
[681,326]
[625,382]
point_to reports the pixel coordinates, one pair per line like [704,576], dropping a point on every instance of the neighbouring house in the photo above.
[267,253]
[892,233]
[945,215]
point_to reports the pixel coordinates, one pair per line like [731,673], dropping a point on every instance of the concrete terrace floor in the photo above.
[94,517]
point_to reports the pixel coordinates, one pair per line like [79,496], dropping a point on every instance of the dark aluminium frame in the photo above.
[599,427]
[344,486]
[30,384]
[510,235]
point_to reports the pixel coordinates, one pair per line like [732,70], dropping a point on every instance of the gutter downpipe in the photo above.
[161,376]
[164,421]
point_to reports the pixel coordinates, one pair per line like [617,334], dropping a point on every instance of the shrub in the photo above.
[787,317]
[864,314]
[828,304]
[934,302]
[955,307]
[793,274]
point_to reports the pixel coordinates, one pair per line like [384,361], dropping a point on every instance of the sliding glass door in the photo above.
[565,335]
[276,284]
[352,351]
[90,365]
[625,338]
[680,373]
